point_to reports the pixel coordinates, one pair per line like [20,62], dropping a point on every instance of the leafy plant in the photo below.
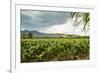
[40,50]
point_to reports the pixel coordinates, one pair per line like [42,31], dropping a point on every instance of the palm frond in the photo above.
[78,17]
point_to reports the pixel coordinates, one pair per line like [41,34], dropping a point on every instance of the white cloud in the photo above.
[66,28]
[62,28]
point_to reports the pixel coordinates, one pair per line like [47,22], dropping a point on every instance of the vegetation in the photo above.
[79,17]
[30,35]
[54,49]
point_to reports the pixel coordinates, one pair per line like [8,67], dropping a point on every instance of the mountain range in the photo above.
[41,34]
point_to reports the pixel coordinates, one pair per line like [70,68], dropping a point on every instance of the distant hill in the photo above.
[33,32]
[40,34]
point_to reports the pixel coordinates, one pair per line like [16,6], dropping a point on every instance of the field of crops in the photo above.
[62,49]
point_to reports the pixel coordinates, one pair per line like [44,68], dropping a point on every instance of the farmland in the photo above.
[54,49]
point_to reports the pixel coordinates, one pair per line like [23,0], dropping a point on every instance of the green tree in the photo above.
[30,35]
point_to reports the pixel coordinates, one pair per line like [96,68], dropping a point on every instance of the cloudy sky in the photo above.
[48,22]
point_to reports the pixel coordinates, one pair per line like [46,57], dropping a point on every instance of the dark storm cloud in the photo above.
[37,20]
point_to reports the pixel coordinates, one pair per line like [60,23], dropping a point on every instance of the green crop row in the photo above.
[40,50]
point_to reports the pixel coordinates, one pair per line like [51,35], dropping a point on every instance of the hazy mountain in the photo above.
[33,32]
[41,34]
